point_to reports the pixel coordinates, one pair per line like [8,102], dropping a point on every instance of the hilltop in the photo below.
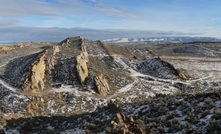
[78,85]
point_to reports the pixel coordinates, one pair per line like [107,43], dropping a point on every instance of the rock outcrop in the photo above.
[102,85]
[38,74]
[50,59]
[125,125]
[81,66]
[183,76]
[39,105]
[70,40]
[36,81]
[24,44]
[158,68]
[6,48]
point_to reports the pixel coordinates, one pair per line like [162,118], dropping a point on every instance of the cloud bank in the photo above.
[15,34]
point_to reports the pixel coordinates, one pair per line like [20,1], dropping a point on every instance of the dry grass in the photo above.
[119,50]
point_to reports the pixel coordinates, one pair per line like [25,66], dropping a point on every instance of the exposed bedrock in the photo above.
[82,69]
[102,85]
[40,69]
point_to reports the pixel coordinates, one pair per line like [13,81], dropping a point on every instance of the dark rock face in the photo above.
[193,49]
[19,69]
[64,72]
[158,68]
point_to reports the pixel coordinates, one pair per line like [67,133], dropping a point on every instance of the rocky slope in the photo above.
[48,86]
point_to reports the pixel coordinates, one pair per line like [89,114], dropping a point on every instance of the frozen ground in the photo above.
[150,78]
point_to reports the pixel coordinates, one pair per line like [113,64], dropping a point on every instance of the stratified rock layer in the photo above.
[6,48]
[81,66]
[38,74]
[41,70]
[102,85]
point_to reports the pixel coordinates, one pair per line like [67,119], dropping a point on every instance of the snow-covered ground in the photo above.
[8,86]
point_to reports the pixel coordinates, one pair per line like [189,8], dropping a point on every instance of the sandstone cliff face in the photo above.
[40,70]
[102,85]
[50,58]
[38,74]
[81,66]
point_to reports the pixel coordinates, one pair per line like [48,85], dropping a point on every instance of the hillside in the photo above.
[79,85]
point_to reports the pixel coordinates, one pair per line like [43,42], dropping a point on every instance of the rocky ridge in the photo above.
[79,76]
[80,66]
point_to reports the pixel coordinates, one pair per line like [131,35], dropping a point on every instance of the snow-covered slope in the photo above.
[159,39]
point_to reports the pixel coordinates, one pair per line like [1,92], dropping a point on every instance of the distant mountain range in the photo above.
[55,34]
[161,39]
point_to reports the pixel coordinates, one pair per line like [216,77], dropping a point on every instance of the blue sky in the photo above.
[202,17]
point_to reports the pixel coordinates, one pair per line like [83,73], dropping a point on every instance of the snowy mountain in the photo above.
[160,39]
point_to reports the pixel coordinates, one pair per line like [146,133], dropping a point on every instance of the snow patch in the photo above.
[8,86]
[11,131]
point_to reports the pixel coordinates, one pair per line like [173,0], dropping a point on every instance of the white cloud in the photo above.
[118,12]
[23,8]
[58,34]
[32,12]
[8,22]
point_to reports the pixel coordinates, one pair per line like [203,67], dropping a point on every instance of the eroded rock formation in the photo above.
[6,48]
[50,59]
[183,76]
[102,85]
[39,105]
[38,74]
[125,125]
[81,66]
[36,81]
